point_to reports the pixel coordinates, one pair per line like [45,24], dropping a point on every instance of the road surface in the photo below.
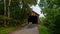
[30,29]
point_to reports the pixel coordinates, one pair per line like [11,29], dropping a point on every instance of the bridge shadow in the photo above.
[31,26]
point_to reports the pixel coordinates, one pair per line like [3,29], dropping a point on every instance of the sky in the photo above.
[37,9]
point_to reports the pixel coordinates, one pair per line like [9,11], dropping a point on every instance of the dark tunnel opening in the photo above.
[33,19]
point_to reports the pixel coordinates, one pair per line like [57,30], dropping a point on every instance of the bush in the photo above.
[9,21]
[43,30]
[57,25]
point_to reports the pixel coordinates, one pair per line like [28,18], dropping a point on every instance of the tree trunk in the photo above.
[4,7]
[4,12]
[9,10]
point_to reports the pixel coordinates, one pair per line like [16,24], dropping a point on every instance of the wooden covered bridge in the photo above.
[32,18]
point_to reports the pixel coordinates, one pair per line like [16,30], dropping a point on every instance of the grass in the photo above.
[6,30]
[43,30]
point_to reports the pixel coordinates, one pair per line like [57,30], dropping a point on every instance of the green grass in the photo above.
[43,30]
[6,30]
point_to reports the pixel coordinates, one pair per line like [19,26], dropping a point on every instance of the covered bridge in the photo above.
[32,18]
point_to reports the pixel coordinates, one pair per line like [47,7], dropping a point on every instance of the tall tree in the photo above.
[5,7]
[4,12]
[24,7]
[9,8]
[1,7]
[16,9]
[51,9]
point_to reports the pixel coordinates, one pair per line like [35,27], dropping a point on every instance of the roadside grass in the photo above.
[43,30]
[6,30]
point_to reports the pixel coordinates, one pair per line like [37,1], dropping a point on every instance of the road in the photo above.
[30,29]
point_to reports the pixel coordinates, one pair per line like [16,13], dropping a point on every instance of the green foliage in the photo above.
[7,30]
[1,7]
[42,20]
[51,10]
[17,11]
[4,17]
[43,30]
[57,25]
[21,8]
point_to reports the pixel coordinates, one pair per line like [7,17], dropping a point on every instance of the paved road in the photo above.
[30,29]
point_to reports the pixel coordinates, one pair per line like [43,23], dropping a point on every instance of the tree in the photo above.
[57,25]
[51,9]
[42,20]
[16,9]
[5,7]
[22,9]
[4,12]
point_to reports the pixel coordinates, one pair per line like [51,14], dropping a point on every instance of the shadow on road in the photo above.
[31,26]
